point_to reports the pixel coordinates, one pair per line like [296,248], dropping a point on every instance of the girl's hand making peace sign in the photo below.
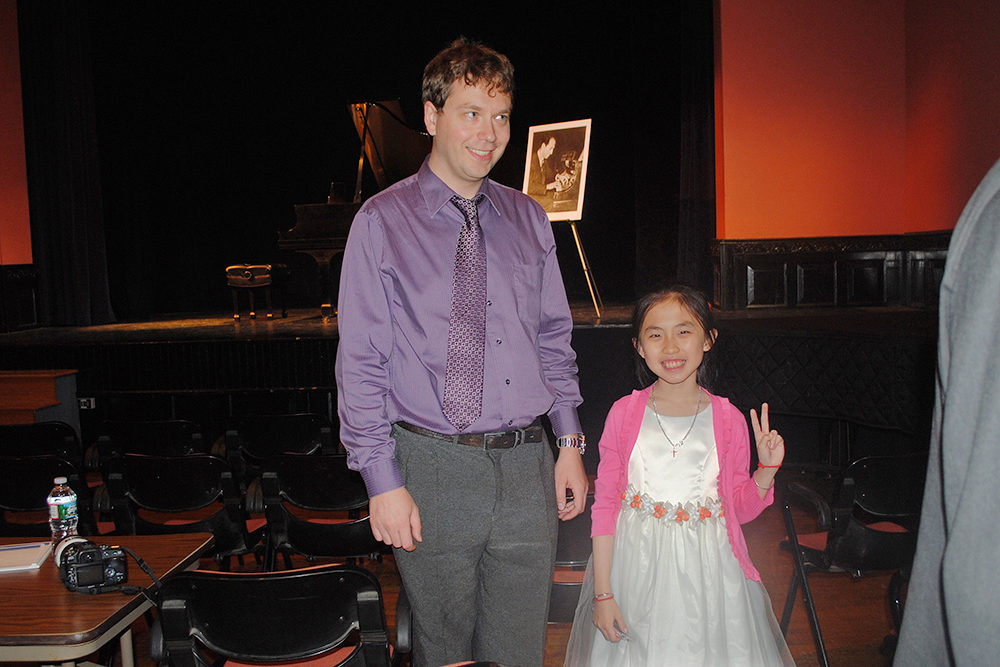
[770,445]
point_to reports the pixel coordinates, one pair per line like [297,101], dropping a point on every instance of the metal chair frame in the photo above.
[870,526]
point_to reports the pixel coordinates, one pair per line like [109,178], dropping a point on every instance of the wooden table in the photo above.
[42,621]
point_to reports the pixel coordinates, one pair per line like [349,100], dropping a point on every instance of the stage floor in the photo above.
[307,323]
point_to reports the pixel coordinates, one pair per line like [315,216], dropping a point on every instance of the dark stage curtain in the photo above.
[647,82]
[696,202]
[674,148]
[64,185]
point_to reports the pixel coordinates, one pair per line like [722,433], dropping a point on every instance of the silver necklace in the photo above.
[679,443]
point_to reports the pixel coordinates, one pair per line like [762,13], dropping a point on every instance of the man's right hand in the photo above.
[395,519]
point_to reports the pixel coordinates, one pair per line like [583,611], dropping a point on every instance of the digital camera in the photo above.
[88,567]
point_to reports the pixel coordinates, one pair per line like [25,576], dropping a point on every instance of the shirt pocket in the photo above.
[528,295]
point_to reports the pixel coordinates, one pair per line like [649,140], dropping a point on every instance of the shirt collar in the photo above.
[437,194]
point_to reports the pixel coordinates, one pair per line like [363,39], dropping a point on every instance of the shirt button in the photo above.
[510,423]
[508,381]
[489,302]
[499,342]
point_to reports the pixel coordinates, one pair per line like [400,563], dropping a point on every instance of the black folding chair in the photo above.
[295,492]
[252,439]
[272,617]
[573,550]
[869,526]
[154,495]
[165,437]
[42,439]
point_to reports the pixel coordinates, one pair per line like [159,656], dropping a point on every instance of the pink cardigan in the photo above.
[736,488]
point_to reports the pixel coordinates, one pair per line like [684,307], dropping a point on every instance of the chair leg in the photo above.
[236,304]
[803,577]
[267,300]
[807,599]
[793,590]
[899,579]
[253,313]
[269,558]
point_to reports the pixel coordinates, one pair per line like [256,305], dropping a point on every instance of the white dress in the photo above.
[681,591]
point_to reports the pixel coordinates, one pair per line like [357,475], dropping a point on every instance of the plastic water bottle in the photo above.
[62,510]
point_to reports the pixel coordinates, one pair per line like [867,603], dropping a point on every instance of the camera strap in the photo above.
[132,590]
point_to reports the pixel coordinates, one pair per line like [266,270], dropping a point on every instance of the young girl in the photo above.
[672,583]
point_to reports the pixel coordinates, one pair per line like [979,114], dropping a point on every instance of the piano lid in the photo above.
[394,149]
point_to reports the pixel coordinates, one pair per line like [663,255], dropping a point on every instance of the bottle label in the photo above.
[63,507]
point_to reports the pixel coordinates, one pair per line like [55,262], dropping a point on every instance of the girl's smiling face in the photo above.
[672,342]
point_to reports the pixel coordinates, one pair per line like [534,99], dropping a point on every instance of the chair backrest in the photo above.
[25,482]
[41,439]
[317,484]
[177,484]
[168,437]
[889,487]
[876,513]
[252,439]
[278,616]
[261,436]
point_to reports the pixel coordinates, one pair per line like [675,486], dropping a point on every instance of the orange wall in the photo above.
[813,118]
[953,106]
[15,230]
[844,117]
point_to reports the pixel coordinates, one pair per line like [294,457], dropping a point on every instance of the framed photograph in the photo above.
[555,171]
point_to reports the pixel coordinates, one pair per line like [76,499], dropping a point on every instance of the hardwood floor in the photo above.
[854,614]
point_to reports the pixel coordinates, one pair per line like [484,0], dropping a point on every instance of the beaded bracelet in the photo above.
[761,465]
[604,596]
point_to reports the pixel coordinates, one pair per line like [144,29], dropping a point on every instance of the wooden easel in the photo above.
[595,296]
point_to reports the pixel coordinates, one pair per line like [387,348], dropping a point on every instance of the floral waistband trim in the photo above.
[667,511]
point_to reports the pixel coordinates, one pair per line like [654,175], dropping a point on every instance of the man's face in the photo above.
[548,148]
[470,134]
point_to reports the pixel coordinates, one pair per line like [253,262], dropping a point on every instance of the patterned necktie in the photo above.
[463,381]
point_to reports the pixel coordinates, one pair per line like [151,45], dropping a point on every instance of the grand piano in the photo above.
[392,150]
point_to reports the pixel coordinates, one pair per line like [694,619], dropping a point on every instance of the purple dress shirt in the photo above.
[393,311]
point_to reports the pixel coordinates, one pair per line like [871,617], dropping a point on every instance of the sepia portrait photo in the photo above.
[555,171]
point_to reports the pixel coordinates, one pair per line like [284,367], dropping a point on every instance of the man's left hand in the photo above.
[570,477]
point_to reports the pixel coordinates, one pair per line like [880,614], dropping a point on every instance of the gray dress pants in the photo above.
[479,582]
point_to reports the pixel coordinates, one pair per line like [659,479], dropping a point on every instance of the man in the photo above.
[951,612]
[541,176]
[442,373]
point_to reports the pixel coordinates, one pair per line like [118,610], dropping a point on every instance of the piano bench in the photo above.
[249,277]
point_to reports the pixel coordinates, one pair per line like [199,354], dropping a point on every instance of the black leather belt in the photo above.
[531,433]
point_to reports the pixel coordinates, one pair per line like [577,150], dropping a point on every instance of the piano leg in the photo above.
[326,292]
[326,307]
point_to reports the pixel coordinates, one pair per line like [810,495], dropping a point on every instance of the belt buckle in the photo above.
[501,436]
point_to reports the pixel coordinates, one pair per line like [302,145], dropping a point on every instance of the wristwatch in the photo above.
[575,440]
